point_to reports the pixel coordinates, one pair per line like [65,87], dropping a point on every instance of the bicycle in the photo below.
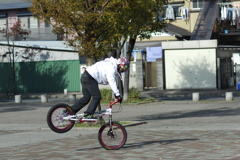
[111,135]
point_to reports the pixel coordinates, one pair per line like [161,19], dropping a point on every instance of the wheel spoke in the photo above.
[112,139]
[56,120]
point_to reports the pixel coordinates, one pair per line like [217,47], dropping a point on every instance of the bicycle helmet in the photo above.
[124,63]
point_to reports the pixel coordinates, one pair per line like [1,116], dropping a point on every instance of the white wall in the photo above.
[190,64]
[132,76]
[193,68]
[38,51]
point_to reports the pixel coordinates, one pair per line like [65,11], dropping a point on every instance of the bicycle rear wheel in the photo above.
[112,138]
[55,119]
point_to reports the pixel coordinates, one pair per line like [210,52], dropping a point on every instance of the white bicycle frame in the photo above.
[96,114]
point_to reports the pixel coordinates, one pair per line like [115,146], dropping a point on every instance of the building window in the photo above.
[3,20]
[47,24]
[24,22]
[196,4]
[34,23]
[3,23]
[27,20]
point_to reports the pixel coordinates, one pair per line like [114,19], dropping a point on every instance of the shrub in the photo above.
[106,95]
[133,95]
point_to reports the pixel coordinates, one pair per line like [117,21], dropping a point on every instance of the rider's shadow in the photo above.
[162,142]
[143,144]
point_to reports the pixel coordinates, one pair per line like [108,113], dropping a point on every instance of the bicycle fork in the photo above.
[110,132]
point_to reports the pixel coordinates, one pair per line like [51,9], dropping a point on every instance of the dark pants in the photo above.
[90,90]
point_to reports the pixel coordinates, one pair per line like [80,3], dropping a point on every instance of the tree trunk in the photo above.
[14,71]
[90,61]
[132,42]
[120,85]
[14,77]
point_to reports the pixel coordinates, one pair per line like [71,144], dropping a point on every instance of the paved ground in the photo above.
[174,130]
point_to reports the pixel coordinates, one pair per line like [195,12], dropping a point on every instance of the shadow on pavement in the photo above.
[143,144]
[200,113]
[162,142]
[14,107]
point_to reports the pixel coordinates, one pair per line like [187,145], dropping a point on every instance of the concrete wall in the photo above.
[159,74]
[37,53]
[133,76]
[190,64]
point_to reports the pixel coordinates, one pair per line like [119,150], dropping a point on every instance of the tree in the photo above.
[94,27]
[16,32]
[82,23]
[138,18]
[97,28]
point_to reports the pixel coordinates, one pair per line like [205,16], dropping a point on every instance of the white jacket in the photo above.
[105,72]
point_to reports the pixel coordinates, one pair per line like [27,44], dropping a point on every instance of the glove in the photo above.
[119,98]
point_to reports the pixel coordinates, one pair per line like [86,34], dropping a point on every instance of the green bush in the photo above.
[134,96]
[106,95]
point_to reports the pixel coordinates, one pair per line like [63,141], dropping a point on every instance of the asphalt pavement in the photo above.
[166,129]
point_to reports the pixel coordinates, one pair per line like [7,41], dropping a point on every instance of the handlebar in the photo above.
[112,103]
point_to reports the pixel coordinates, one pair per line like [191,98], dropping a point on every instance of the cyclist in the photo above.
[102,72]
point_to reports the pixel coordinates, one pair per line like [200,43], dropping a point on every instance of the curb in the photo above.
[38,95]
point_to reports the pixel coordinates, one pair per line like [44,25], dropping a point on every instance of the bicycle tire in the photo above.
[112,140]
[55,118]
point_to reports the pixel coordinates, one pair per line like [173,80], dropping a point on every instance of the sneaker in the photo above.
[79,115]
[89,116]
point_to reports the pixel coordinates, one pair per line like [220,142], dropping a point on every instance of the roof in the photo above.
[229,46]
[142,45]
[56,45]
[15,5]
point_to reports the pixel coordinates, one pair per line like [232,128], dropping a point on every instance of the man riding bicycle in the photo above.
[102,72]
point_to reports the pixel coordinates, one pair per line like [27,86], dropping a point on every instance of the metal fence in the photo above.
[40,34]
[44,76]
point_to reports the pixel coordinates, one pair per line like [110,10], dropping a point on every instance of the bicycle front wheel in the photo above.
[55,117]
[112,138]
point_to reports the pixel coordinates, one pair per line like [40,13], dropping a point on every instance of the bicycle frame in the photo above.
[96,114]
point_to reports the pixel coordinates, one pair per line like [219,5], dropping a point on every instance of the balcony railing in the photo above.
[40,34]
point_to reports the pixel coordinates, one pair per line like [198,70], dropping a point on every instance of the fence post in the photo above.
[44,98]
[139,75]
[159,73]
[195,96]
[72,98]
[65,91]
[18,99]
[229,96]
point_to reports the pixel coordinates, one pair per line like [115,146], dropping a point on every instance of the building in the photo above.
[43,62]
[198,20]
[12,10]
